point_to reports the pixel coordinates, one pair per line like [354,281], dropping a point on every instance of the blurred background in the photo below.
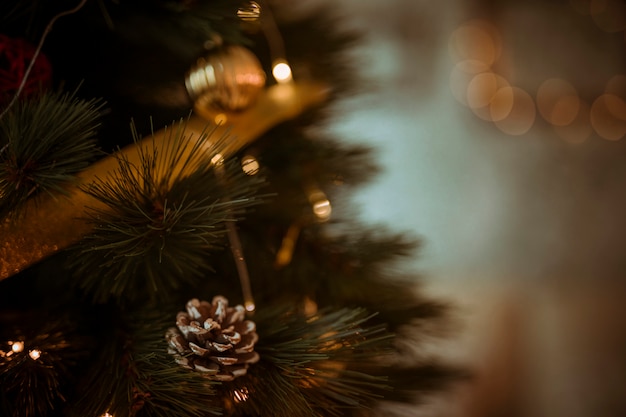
[501,129]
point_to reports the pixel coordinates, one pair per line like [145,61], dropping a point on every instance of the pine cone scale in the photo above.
[214,339]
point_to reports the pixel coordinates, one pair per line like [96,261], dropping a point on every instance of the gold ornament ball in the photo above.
[229,79]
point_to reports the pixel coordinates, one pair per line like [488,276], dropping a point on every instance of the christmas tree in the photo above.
[168,245]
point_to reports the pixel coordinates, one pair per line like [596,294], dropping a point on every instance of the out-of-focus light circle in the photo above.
[557,102]
[603,118]
[502,103]
[322,210]
[482,90]
[617,86]
[459,80]
[282,72]
[250,165]
[34,354]
[218,159]
[609,15]
[616,106]
[220,119]
[476,40]
[522,115]
[17,347]
[579,130]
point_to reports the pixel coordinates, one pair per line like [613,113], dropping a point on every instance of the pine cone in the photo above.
[213,339]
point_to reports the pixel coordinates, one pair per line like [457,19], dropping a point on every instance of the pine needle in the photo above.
[162,218]
[44,143]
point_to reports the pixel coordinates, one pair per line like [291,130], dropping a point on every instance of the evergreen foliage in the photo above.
[330,319]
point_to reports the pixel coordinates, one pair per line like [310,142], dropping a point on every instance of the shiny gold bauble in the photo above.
[229,79]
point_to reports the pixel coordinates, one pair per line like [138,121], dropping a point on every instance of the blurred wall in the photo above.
[500,126]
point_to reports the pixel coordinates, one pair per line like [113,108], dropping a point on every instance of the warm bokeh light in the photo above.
[482,90]
[218,159]
[17,347]
[250,165]
[501,103]
[608,117]
[579,130]
[475,41]
[220,119]
[34,354]
[617,86]
[522,115]
[282,71]
[557,102]
[322,210]
[609,15]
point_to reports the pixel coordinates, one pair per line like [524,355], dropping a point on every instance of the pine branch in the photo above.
[135,376]
[309,365]
[162,217]
[36,363]
[44,143]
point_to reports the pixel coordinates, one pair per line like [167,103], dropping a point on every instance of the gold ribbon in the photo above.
[49,224]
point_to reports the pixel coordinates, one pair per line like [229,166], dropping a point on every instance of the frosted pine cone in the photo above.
[213,339]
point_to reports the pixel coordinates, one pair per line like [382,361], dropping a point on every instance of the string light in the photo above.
[17,347]
[34,354]
[282,71]
[476,46]
[250,165]
[241,395]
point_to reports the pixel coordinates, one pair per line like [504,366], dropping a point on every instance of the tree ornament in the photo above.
[213,339]
[230,79]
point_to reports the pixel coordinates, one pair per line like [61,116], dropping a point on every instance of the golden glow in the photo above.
[240,395]
[322,210]
[579,130]
[249,306]
[250,165]
[557,102]
[481,92]
[608,117]
[34,354]
[107,415]
[616,85]
[309,307]
[522,115]
[476,41]
[220,119]
[17,347]
[501,103]
[282,71]
[285,253]
[218,159]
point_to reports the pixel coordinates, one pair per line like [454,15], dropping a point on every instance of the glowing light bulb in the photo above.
[322,210]
[17,347]
[218,159]
[282,72]
[249,306]
[250,165]
[240,395]
[34,354]
[107,415]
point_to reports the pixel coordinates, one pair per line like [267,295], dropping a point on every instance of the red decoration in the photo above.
[15,56]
